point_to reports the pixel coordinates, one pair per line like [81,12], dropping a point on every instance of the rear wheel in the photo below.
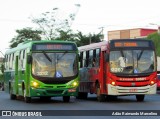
[12,96]
[66,98]
[100,97]
[140,98]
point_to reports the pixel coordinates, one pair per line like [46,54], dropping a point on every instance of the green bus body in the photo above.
[27,76]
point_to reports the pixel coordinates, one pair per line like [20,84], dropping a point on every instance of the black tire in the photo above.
[12,96]
[82,95]
[66,98]
[111,98]
[140,98]
[26,99]
[45,98]
[100,97]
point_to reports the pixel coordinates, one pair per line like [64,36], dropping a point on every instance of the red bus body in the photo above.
[101,74]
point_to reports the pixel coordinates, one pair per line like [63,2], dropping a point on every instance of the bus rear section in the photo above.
[124,67]
[42,69]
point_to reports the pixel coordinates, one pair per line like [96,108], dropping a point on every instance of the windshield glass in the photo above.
[56,65]
[132,61]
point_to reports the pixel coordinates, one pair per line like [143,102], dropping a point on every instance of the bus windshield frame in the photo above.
[54,65]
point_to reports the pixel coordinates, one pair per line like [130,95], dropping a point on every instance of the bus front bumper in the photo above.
[118,90]
[38,92]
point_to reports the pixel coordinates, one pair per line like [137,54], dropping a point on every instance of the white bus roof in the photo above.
[93,46]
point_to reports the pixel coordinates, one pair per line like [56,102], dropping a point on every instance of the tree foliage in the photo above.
[155,37]
[52,25]
[87,39]
[24,35]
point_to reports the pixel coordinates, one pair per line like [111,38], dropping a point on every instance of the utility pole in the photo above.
[90,40]
[101,32]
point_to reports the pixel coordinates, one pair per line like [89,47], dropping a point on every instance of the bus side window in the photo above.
[97,57]
[90,58]
[6,62]
[10,61]
[84,59]
[24,59]
[87,59]
[81,59]
[94,58]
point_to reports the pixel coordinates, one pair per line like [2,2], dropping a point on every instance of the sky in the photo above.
[91,16]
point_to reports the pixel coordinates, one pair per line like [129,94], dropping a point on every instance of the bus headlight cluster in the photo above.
[112,82]
[152,82]
[74,84]
[35,84]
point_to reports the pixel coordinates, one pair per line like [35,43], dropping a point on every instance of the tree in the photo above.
[87,39]
[54,26]
[67,36]
[25,34]
[155,37]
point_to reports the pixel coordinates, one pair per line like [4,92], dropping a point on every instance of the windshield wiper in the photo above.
[45,54]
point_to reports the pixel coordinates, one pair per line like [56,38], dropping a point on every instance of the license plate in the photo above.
[133,90]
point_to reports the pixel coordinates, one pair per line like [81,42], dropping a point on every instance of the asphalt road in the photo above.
[80,108]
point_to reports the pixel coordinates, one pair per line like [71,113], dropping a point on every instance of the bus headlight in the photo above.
[113,83]
[35,84]
[152,82]
[74,84]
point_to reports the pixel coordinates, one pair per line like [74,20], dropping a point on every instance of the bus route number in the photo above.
[117,69]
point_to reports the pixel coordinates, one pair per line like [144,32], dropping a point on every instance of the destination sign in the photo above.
[54,47]
[131,43]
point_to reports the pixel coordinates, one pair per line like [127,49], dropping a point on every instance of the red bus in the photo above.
[118,67]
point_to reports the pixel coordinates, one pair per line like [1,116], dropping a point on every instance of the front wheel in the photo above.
[66,98]
[26,99]
[140,98]
[82,95]
[100,97]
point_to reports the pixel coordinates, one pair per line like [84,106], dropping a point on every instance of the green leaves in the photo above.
[155,37]
[24,35]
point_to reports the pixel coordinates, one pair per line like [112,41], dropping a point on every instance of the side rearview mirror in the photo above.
[29,59]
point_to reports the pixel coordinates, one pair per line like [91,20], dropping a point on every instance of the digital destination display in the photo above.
[53,47]
[131,44]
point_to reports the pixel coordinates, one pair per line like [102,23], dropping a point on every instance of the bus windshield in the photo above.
[57,65]
[132,61]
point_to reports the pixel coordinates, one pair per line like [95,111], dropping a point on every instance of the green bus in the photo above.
[42,69]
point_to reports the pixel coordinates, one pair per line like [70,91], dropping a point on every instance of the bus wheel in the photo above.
[26,99]
[140,98]
[66,98]
[46,98]
[12,96]
[100,97]
[82,95]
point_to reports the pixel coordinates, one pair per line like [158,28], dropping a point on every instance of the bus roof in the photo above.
[93,46]
[28,44]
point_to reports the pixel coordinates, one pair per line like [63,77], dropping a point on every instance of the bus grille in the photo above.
[55,91]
